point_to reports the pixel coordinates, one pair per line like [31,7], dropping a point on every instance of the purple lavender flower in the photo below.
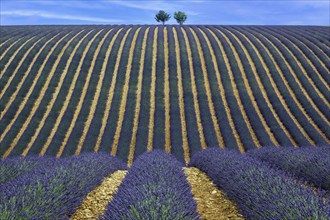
[260,191]
[54,192]
[154,188]
[311,164]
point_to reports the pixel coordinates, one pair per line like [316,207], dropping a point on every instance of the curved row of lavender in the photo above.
[260,191]
[311,164]
[55,190]
[154,188]
[12,168]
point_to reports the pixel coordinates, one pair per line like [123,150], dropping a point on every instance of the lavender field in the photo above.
[128,89]
[164,122]
[155,187]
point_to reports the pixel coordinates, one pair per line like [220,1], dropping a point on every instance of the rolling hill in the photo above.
[128,89]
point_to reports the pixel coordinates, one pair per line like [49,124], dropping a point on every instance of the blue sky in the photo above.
[240,12]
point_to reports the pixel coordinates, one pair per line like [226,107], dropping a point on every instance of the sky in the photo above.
[220,12]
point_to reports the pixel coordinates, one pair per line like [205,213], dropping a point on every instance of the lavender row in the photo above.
[54,191]
[280,82]
[253,117]
[269,88]
[318,48]
[311,164]
[304,80]
[13,168]
[9,116]
[194,139]
[154,188]
[233,105]
[297,110]
[260,191]
[310,32]
[308,48]
[290,41]
[259,97]
[315,43]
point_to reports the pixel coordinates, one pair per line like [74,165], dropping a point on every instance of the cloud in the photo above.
[157,5]
[145,5]
[73,4]
[43,14]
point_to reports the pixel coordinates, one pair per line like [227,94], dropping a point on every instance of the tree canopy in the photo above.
[180,17]
[162,16]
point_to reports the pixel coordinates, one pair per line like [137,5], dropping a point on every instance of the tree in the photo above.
[162,16]
[180,17]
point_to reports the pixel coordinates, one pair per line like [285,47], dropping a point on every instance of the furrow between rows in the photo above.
[27,96]
[54,97]
[81,99]
[138,101]
[111,93]
[124,95]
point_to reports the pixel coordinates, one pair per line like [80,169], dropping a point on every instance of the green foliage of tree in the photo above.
[162,16]
[180,17]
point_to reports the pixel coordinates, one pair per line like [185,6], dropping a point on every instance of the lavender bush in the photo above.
[12,168]
[154,188]
[53,192]
[260,191]
[311,164]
